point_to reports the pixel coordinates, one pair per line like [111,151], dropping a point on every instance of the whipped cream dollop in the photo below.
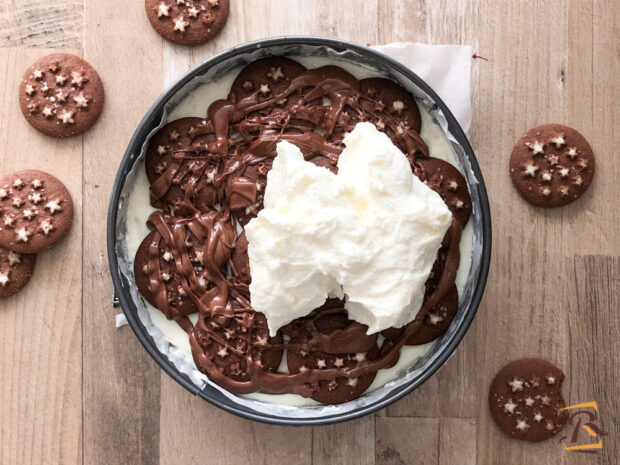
[370,233]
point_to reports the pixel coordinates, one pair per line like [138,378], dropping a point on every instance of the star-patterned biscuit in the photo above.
[551,165]
[187,22]
[36,211]
[15,271]
[61,95]
[525,399]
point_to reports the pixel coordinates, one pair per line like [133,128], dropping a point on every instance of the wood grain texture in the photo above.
[121,382]
[40,327]
[95,396]
[42,23]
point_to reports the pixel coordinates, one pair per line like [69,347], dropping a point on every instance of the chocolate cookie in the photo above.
[393,110]
[240,262]
[436,322]
[187,22]
[36,211]
[386,97]
[337,352]
[183,167]
[178,298]
[265,78]
[61,95]
[15,271]
[229,342]
[448,182]
[551,165]
[181,259]
[525,399]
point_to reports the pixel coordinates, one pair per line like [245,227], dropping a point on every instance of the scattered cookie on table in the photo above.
[187,22]
[15,271]
[525,399]
[36,211]
[61,95]
[551,165]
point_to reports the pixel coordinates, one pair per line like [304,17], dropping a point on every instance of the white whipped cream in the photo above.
[371,232]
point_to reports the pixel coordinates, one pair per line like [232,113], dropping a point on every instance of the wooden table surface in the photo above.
[75,390]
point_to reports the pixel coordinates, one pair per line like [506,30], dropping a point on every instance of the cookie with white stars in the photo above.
[445,179]
[36,211]
[187,22]
[61,95]
[15,271]
[525,399]
[183,167]
[265,79]
[552,165]
[436,322]
[227,343]
[310,350]
[391,102]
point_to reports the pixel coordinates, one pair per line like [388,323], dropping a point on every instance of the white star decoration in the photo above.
[275,74]
[53,206]
[338,362]
[558,141]
[564,172]
[546,176]
[398,106]
[161,150]
[522,425]
[180,24]
[30,90]
[264,89]
[22,235]
[81,100]
[516,384]
[14,258]
[578,181]
[37,184]
[222,352]
[538,417]
[47,112]
[61,79]
[572,152]
[162,10]
[193,12]
[529,401]
[360,357]
[4,279]
[352,382]
[530,170]
[434,319]
[77,79]
[61,96]
[3,194]
[550,380]
[18,183]
[510,406]
[46,226]
[320,363]
[66,117]
[537,147]
[17,202]
[8,221]
[38,74]
[35,198]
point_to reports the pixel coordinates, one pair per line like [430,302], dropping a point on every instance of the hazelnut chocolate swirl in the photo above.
[209,175]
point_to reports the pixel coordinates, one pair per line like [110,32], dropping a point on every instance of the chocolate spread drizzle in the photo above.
[232,150]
